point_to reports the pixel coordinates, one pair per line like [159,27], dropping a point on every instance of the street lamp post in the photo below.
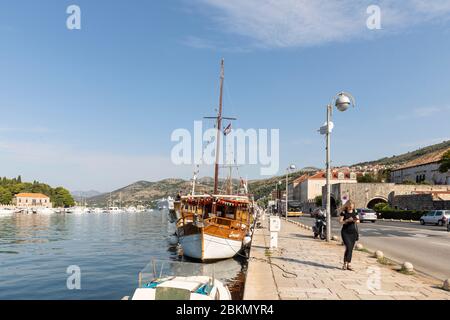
[279,198]
[291,167]
[342,102]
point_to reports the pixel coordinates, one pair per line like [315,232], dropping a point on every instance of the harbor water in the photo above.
[109,249]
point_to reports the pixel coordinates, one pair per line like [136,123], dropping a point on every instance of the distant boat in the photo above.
[76,210]
[45,211]
[4,212]
[114,210]
[131,209]
[166,203]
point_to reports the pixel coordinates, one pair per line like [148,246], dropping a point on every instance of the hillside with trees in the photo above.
[60,197]
[409,156]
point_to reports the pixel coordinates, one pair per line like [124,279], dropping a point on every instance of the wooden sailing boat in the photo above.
[214,226]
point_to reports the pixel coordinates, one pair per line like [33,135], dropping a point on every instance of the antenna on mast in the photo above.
[194,179]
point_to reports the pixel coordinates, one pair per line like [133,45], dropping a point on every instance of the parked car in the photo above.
[367,215]
[438,217]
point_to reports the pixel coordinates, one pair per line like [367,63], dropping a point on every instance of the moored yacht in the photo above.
[214,227]
[6,211]
[45,211]
[113,210]
[217,226]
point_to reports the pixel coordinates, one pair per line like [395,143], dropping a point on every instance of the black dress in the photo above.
[349,234]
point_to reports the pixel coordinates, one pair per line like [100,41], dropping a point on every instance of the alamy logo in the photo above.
[374,278]
[73,22]
[74,279]
[237,146]
[374,20]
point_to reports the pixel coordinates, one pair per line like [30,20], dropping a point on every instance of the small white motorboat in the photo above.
[183,288]
[131,209]
[45,211]
[4,212]
[77,210]
[114,210]
[172,280]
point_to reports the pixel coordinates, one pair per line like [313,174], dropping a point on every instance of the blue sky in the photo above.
[94,108]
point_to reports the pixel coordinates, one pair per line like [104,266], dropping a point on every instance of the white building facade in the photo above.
[306,188]
[424,169]
[32,200]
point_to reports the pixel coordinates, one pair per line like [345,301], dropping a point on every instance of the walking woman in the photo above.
[349,220]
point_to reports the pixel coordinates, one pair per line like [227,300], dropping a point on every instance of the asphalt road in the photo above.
[426,247]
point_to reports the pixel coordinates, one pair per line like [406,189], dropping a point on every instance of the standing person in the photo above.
[349,220]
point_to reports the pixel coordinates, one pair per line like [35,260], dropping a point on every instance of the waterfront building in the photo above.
[423,169]
[32,200]
[306,188]
[398,196]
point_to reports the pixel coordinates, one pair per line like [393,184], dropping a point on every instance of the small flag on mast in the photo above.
[227,130]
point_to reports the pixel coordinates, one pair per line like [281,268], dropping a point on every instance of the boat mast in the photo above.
[194,179]
[219,129]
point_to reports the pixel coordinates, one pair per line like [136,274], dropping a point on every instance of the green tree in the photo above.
[62,198]
[367,178]
[445,162]
[381,207]
[5,196]
[318,201]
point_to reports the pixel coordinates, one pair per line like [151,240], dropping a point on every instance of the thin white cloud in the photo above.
[300,23]
[424,143]
[425,112]
[198,43]
[75,169]
[25,129]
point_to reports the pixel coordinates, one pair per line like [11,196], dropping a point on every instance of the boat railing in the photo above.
[163,269]
[231,223]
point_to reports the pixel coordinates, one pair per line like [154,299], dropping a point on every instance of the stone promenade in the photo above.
[306,269]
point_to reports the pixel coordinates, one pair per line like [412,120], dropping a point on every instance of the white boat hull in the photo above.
[208,247]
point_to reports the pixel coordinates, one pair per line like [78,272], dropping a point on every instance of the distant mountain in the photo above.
[78,195]
[145,192]
[398,160]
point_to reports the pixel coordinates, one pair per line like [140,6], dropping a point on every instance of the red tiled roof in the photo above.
[334,175]
[426,159]
[31,195]
[301,178]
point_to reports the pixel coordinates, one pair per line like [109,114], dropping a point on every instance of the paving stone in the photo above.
[317,266]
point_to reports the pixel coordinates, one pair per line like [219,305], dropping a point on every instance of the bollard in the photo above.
[274,228]
[408,267]
[379,254]
[446,285]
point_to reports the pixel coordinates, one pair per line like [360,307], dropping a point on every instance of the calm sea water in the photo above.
[110,249]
